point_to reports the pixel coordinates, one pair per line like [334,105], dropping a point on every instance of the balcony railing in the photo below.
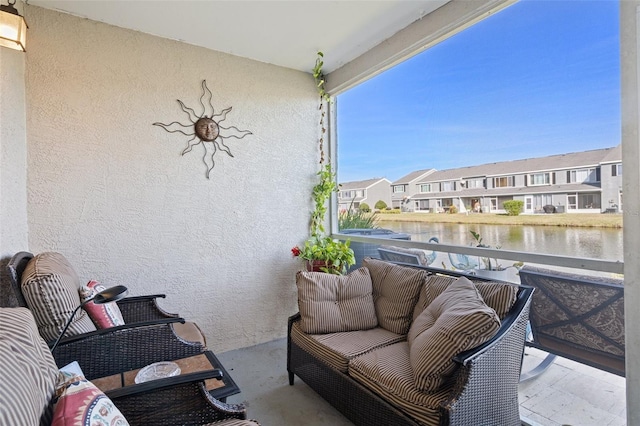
[607,266]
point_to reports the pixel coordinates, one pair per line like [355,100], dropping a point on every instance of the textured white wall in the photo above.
[111,191]
[13,154]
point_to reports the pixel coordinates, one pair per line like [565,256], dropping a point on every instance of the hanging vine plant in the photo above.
[332,255]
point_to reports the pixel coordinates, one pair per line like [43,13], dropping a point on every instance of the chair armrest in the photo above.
[181,403]
[143,308]
[111,351]
[152,385]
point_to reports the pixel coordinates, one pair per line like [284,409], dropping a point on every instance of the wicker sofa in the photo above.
[377,374]
[32,388]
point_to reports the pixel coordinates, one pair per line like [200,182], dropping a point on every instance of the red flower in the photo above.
[295,251]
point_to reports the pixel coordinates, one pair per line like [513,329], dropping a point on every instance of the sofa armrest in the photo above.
[111,351]
[492,372]
[520,307]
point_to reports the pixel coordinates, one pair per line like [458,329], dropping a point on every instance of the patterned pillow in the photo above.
[498,295]
[457,320]
[332,303]
[79,402]
[105,315]
[395,293]
[50,288]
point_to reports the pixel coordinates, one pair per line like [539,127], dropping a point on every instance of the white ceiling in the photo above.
[285,33]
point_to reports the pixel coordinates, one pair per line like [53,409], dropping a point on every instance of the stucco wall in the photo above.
[13,160]
[112,193]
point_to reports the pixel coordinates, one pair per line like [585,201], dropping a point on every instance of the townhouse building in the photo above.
[369,191]
[588,181]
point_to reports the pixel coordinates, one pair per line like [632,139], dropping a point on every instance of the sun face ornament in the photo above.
[206,129]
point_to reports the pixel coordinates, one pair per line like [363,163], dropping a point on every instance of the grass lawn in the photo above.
[556,219]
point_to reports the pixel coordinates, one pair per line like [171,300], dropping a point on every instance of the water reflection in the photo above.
[596,243]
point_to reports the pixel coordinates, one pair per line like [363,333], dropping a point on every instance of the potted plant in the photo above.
[492,268]
[321,252]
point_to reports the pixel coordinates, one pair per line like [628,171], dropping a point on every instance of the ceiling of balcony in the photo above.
[285,33]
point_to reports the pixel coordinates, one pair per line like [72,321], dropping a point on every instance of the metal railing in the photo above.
[610,266]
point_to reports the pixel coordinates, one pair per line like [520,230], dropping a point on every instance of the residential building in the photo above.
[369,191]
[589,181]
[404,188]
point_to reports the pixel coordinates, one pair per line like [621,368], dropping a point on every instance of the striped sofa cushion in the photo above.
[28,374]
[395,293]
[456,320]
[498,295]
[387,372]
[50,287]
[332,303]
[336,349]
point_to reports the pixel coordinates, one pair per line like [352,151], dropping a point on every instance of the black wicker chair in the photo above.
[134,309]
[144,319]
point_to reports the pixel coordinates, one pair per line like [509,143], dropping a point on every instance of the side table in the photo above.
[201,365]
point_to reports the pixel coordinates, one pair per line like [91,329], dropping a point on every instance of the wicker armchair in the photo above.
[136,310]
[29,376]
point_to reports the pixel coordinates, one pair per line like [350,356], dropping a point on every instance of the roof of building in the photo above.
[362,183]
[413,176]
[548,163]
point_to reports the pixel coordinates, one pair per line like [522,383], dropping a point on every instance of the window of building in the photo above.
[503,181]
[475,183]
[616,170]
[540,179]
[425,187]
[447,186]
[397,189]
[589,175]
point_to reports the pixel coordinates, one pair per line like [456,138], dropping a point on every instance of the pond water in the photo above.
[595,243]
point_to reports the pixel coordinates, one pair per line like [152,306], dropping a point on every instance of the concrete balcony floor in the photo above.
[568,393]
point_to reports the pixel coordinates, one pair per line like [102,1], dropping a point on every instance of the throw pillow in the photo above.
[105,315]
[50,288]
[79,402]
[332,303]
[395,293]
[498,295]
[457,320]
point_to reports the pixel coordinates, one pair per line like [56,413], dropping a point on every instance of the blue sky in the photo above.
[538,78]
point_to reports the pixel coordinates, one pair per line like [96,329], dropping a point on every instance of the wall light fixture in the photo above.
[13,28]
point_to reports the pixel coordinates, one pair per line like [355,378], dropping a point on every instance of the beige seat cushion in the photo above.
[190,332]
[336,349]
[387,372]
[28,375]
[498,295]
[50,288]
[395,293]
[456,320]
[331,303]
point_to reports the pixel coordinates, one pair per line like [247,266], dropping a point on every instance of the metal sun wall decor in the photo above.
[206,129]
